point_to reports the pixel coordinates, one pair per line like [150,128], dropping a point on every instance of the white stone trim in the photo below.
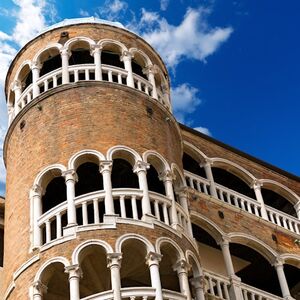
[39,177]
[191,148]
[133,236]
[166,240]
[121,148]
[104,42]
[24,63]
[58,241]
[77,155]
[24,266]
[70,42]
[94,242]
[58,46]
[189,254]
[157,156]
[146,58]
[9,290]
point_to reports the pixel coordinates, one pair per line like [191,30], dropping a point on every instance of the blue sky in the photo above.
[234,65]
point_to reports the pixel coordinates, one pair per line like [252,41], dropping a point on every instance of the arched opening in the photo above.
[154,183]
[168,275]
[134,271]
[192,165]
[292,275]
[25,77]
[275,200]
[56,281]
[122,175]
[95,274]
[11,99]
[50,60]
[89,179]
[232,182]
[138,64]
[210,252]
[253,271]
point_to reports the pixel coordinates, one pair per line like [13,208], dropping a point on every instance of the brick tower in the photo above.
[108,197]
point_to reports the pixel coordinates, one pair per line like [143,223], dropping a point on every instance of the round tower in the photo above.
[96,206]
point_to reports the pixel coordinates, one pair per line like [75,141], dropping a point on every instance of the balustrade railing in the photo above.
[90,210]
[217,286]
[243,202]
[84,72]
[252,293]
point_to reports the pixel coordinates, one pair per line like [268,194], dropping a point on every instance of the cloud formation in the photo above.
[203,130]
[164,4]
[193,38]
[112,10]
[184,100]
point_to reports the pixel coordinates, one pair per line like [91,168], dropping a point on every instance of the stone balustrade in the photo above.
[217,285]
[252,293]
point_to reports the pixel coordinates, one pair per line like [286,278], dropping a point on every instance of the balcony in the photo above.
[243,203]
[90,212]
[86,72]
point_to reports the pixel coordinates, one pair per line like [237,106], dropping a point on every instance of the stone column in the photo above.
[183,200]
[126,58]
[182,267]
[150,71]
[17,88]
[167,177]
[166,94]
[114,263]
[152,260]
[65,64]
[105,170]
[209,175]
[39,289]
[96,52]
[297,209]
[36,201]
[74,278]
[140,168]
[282,280]
[199,285]
[35,69]
[71,178]
[257,189]
[235,287]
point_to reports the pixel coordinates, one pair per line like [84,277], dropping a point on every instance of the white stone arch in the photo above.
[209,226]
[194,152]
[146,59]
[68,45]
[256,244]
[102,43]
[281,189]
[133,236]
[123,152]
[84,155]
[58,259]
[158,161]
[166,240]
[196,267]
[93,242]
[36,58]
[44,176]
[19,70]
[233,168]
[179,181]
[291,259]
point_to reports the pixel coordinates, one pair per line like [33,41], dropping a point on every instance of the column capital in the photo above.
[36,65]
[256,184]
[36,190]
[153,258]
[278,262]
[95,49]
[198,282]
[16,85]
[181,266]
[150,69]
[65,52]
[297,206]
[167,175]
[114,259]
[126,55]
[105,165]
[224,241]
[206,162]
[182,192]
[70,175]
[140,166]
[73,271]
[39,288]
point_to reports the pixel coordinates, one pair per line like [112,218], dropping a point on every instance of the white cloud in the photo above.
[185,101]
[203,130]
[83,13]
[112,10]
[164,4]
[193,38]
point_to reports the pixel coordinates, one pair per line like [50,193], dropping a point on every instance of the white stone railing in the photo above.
[216,285]
[243,202]
[283,220]
[252,293]
[83,72]
[125,199]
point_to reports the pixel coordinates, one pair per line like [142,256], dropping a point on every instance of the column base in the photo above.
[148,218]
[235,291]
[70,229]
[110,219]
